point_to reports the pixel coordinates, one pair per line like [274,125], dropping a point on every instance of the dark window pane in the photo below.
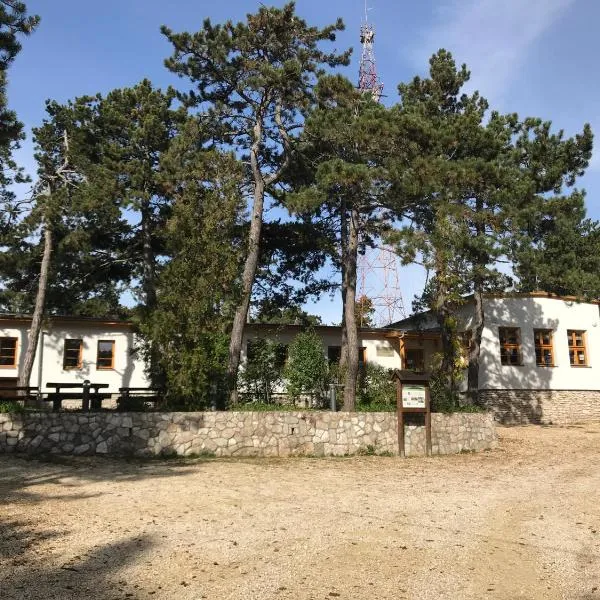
[334,353]
[8,352]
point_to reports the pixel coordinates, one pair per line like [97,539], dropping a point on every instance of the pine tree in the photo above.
[14,22]
[138,125]
[347,141]
[198,289]
[481,183]
[256,78]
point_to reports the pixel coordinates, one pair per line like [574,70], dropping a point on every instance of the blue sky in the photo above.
[533,57]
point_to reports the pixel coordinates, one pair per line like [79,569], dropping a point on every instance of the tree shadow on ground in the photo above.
[30,565]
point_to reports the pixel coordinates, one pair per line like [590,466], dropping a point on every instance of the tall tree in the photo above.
[14,23]
[198,289]
[138,125]
[347,140]
[482,180]
[560,253]
[256,78]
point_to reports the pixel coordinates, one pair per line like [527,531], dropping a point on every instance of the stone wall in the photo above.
[238,433]
[558,407]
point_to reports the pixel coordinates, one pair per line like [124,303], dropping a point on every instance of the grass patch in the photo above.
[12,407]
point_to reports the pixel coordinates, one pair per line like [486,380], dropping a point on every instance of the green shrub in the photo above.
[263,372]
[376,389]
[11,407]
[306,371]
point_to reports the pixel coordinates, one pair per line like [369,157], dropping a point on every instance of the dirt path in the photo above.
[519,522]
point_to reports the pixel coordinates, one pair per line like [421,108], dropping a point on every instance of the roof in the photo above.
[410,321]
[323,328]
[24,318]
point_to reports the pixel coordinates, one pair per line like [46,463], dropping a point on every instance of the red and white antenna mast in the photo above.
[368,81]
[378,268]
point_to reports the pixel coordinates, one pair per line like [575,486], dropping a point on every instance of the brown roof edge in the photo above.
[12,318]
[294,327]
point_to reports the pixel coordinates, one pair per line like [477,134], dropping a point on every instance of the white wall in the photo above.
[531,313]
[128,368]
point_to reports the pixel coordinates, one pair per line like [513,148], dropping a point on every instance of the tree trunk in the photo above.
[442,313]
[38,313]
[343,254]
[475,347]
[148,260]
[481,261]
[350,314]
[250,266]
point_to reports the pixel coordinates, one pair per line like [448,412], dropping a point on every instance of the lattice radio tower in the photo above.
[378,268]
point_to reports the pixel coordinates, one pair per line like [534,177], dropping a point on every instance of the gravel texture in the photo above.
[522,521]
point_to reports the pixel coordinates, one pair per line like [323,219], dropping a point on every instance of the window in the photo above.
[577,350]
[106,355]
[8,352]
[334,353]
[510,345]
[72,354]
[362,357]
[544,354]
[414,359]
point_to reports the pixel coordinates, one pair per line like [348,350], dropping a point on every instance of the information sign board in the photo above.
[413,396]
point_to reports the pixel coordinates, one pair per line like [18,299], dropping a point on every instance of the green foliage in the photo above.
[263,372]
[478,189]
[444,398]
[12,407]
[376,389]
[306,369]
[14,23]
[197,288]
[288,315]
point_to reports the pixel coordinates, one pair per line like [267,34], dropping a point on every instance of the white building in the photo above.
[71,350]
[540,356]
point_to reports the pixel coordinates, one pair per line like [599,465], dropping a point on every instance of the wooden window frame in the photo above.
[112,362]
[571,333]
[79,358]
[510,347]
[417,368]
[538,343]
[16,353]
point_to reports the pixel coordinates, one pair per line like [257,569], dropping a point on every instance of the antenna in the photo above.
[368,82]
[378,268]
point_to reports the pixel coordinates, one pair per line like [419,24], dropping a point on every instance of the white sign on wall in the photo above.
[413,396]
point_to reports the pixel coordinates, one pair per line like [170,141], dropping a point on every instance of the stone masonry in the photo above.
[238,433]
[548,407]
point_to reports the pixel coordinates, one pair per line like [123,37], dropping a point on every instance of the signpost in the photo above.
[412,396]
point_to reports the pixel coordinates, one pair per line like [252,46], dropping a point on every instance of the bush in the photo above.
[263,371]
[11,407]
[306,372]
[376,389]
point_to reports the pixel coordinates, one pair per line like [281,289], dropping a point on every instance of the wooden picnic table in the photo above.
[88,399]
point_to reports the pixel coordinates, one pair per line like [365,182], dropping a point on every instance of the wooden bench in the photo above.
[137,397]
[90,395]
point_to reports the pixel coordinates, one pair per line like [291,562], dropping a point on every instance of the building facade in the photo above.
[71,350]
[540,356]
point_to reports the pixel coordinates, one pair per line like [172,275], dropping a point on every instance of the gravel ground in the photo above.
[522,521]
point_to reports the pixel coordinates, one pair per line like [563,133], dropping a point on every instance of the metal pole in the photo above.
[332,397]
[85,403]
